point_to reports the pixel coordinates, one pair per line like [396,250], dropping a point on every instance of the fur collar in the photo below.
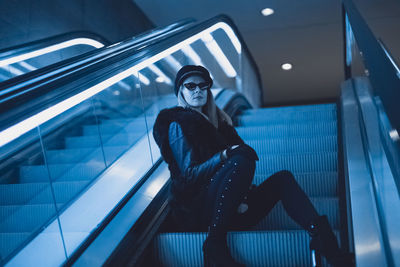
[201,135]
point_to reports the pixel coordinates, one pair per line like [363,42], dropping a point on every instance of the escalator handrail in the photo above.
[39,44]
[382,73]
[116,60]
[18,86]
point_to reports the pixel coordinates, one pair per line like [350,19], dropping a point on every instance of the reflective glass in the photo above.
[74,156]
[120,116]
[20,67]
[26,199]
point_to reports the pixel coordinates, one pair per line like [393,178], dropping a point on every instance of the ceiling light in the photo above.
[267,11]
[287,66]
[394,135]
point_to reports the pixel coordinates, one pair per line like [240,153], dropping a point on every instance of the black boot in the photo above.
[216,253]
[324,241]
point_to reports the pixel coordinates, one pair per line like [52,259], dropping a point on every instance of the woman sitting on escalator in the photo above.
[212,171]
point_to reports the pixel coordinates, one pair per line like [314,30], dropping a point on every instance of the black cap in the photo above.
[190,70]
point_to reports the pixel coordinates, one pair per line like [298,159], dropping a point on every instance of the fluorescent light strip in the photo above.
[160,74]
[190,53]
[27,66]
[124,85]
[142,78]
[28,124]
[173,63]
[219,55]
[13,70]
[49,49]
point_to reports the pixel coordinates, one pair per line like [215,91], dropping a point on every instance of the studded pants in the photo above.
[232,204]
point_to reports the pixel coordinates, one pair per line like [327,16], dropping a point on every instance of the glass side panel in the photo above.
[355,59]
[74,156]
[26,199]
[120,115]
[28,62]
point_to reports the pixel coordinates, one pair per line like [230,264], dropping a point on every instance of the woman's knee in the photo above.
[283,177]
[240,160]
[285,173]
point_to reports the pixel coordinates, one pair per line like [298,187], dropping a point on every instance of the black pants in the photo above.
[230,186]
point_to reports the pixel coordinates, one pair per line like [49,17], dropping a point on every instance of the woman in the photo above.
[212,170]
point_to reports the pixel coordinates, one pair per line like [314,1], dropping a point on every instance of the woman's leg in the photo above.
[224,194]
[280,186]
[227,190]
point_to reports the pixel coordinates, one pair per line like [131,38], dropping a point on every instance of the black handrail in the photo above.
[101,64]
[382,74]
[13,88]
[38,44]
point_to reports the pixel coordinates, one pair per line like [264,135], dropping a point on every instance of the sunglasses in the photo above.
[192,86]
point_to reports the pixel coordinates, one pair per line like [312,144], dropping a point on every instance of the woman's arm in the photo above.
[195,174]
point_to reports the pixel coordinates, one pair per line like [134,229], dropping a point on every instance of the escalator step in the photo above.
[277,219]
[264,248]
[306,162]
[314,184]
[294,145]
[39,193]
[122,139]
[126,121]
[262,119]
[25,218]
[84,154]
[17,194]
[10,241]
[304,108]
[60,172]
[291,130]
[115,126]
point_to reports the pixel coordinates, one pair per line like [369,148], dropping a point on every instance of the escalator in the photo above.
[83,182]
[302,139]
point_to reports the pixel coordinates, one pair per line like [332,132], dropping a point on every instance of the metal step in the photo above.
[76,155]
[306,162]
[294,145]
[122,139]
[10,241]
[278,219]
[39,193]
[305,129]
[263,119]
[304,108]
[60,172]
[263,248]
[314,184]
[116,126]
[25,218]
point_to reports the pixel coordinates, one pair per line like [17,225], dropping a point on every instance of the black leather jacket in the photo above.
[196,174]
[191,146]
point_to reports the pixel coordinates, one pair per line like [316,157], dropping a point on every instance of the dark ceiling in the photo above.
[306,33]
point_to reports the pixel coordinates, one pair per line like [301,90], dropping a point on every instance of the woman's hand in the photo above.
[233,147]
[224,153]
